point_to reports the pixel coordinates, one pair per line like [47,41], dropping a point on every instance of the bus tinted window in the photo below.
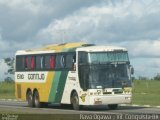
[52,62]
[82,58]
[44,62]
[19,63]
[60,61]
[28,62]
[47,62]
[32,62]
[38,62]
[70,61]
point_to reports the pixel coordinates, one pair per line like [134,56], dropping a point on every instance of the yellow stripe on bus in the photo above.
[48,86]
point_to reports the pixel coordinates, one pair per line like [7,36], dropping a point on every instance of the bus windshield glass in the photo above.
[108,76]
[105,70]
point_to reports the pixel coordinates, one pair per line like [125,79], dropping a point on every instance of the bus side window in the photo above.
[42,62]
[60,61]
[47,62]
[26,62]
[70,60]
[33,63]
[52,62]
[39,62]
[82,57]
[20,62]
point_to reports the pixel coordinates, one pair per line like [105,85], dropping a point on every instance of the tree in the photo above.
[10,63]
[143,78]
[157,77]
[9,80]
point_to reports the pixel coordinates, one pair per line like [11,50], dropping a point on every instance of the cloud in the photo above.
[133,24]
[155,64]
[33,6]
[22,19]
[143,48]
[109,23]
[3,44]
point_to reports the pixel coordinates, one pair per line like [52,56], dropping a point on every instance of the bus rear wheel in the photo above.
[30,99]
[75,101]
[36,99]
[112,106]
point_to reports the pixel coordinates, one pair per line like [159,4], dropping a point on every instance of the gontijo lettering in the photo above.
[36,77]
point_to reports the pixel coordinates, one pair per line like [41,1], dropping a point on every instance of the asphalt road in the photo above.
[16,107]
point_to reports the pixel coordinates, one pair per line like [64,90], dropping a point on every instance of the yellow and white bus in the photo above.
[74,73]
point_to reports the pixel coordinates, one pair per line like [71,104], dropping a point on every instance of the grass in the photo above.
[7,90]
[146,92]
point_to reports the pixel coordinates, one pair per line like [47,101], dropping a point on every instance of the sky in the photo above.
[133,24]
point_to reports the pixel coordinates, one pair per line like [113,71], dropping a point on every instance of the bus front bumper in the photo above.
[110,99]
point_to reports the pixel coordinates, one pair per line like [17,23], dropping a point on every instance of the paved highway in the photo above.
[15,106]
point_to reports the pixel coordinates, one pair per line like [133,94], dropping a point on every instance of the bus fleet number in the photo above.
[20,76]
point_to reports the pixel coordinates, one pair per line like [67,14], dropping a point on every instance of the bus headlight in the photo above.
[97,101]
[127,90]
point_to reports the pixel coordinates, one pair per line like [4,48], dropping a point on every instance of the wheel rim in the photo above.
[75,102]
[29,99]
[36,100]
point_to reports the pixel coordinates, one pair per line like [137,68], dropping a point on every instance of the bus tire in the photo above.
[75,101]
[29,97]
[112,106]
[36,99]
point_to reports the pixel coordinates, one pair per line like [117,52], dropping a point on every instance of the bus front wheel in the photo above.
[30,99]
[75,101]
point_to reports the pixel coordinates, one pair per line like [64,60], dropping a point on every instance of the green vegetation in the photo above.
[7,90]
[146,92]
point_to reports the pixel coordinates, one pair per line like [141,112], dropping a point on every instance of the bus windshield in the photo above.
[108,76]
[105,70]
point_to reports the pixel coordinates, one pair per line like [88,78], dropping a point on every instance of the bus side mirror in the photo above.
[132,70]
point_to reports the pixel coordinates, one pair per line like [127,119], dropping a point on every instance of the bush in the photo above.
[8,80]
[157,77]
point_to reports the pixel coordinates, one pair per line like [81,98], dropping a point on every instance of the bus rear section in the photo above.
[41,75]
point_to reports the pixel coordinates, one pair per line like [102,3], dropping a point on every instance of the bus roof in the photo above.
[81,46]
[101,48]
[54,48]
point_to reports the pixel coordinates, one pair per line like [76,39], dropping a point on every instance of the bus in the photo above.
[77,74]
